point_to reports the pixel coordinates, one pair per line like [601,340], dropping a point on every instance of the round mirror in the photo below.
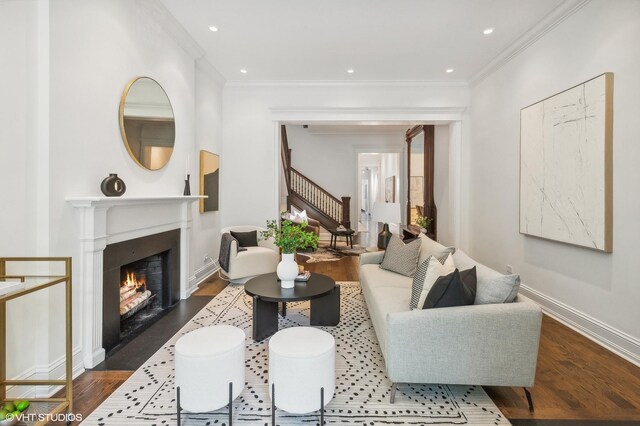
[147,123]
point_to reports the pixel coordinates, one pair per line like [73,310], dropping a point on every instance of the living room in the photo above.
[226,68]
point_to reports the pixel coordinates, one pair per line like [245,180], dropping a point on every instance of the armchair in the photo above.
[245,265]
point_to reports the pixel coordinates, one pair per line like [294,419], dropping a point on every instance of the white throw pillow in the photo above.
[435,271]
[433,248]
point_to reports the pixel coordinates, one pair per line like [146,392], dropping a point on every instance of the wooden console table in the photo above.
[412,231]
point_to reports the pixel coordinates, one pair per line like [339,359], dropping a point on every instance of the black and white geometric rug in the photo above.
[362,387]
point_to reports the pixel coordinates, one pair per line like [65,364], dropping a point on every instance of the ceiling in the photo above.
[385,40]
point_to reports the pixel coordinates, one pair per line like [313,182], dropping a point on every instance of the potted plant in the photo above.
[289,237]
[423,222]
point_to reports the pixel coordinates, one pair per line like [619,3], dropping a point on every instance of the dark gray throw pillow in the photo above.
[246,239]
[456,289]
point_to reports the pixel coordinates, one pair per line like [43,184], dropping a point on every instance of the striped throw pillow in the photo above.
[418,280]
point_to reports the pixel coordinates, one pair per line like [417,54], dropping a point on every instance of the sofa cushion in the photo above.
[246,239]
[435,271]
[456,289]
[493,287]
[433,248]
[372,276]
[400,257]
[418,280]
[382,301]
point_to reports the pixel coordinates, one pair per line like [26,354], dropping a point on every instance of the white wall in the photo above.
[65,135]
[249,172]
[442,183]
[205,231]
[596,291]
[337,170]
[19,36]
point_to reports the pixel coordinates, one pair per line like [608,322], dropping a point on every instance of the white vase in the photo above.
[287,270]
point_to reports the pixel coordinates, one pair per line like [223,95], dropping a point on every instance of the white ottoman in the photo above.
[302,360]
[207,360]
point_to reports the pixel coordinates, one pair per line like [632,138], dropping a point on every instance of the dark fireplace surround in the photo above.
[164,250]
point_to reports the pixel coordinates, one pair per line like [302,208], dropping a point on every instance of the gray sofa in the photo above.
[491,344]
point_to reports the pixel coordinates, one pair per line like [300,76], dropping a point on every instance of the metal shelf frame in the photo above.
[63,404]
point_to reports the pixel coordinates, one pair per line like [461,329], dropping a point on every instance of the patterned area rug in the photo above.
[324,253]
[362,388]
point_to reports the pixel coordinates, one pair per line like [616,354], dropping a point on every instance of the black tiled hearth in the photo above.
[134,353]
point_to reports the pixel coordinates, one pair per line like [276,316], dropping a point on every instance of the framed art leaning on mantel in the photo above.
[209,181]
[566,166]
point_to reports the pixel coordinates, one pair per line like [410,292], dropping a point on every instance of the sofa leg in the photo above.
[394,388]
[529,400]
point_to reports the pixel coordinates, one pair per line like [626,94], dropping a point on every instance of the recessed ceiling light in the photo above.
[449,69]
[243,71]
[487,31]
[350,71]
[212,28]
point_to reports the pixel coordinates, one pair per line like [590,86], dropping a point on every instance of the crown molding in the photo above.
[206,67]
[345,83]
[355,115]
[177,32]
[546,24]
[173,28]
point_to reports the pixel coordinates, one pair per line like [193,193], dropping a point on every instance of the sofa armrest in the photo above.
[492,345]
[371,258]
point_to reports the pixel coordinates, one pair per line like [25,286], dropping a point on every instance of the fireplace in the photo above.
[141,283]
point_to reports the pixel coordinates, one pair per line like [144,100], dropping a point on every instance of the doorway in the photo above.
[379,180]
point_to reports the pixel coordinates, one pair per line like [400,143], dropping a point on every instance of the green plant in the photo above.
[290,236]
[423,222]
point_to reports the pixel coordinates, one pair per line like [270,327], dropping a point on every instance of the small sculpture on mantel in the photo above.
[113,186]
[187,187]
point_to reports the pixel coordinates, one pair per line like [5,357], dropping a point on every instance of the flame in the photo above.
[132,282]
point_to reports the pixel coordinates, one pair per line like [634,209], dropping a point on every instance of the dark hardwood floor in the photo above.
[577,381]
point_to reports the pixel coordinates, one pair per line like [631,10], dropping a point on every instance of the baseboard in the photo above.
[53,371]
[201,275]
[618,342]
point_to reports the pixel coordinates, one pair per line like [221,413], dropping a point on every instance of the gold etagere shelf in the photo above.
[44,409]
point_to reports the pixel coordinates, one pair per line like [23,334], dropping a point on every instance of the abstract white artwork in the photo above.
[566,166]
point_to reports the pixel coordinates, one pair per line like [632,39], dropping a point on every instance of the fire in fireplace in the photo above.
[142,292]
[133,295]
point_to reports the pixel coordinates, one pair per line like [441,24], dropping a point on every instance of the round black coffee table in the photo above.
[267,293]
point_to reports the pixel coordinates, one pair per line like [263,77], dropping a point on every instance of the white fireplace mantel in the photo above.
[108,220]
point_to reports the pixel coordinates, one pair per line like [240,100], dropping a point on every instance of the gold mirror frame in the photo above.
[209,181]
[138,158]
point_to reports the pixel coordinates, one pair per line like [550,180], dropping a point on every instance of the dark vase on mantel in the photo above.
[187,187]
[113,186]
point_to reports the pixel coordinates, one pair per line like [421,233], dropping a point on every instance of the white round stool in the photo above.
[208,360]
[302,361]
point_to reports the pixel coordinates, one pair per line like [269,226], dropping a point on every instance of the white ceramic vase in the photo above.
[287,270]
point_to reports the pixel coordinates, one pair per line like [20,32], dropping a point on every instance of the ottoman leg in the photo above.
[178,403]
[230,403]
[265,318]
[273,404]
[326,310]
[394,388]
[321,406]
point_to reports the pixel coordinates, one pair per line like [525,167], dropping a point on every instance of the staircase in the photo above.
[305,194]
